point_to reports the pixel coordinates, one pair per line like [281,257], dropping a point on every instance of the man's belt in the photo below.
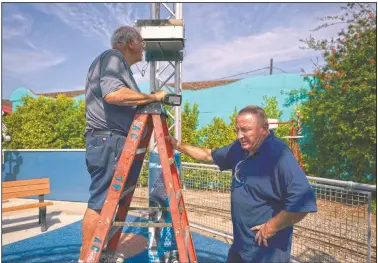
[108,132]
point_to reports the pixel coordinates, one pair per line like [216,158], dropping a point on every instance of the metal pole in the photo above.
[271,67]
[200,227]
[369,229]
[154,67]
[178,81]
[178,86]
[161,242]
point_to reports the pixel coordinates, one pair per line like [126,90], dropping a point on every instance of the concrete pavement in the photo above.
[23,224]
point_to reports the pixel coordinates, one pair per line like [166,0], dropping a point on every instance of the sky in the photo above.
[48,47]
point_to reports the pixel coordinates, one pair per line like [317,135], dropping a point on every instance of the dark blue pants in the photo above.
[102,155]
[234,257]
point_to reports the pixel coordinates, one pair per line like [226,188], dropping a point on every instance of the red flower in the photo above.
[371,60]
[327,86]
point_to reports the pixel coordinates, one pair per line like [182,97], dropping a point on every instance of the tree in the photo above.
[189,125]
[270,106]
[339,112]
[218,133]
[47,123]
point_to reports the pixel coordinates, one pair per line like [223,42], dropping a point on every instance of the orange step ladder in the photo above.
[148,118]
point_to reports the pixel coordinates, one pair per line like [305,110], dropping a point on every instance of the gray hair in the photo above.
[123,35]
[256,110]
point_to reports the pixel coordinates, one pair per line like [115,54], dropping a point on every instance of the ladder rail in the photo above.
[177,185]
[119,180]
[170,174]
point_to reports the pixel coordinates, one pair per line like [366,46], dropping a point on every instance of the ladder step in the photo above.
[150,208]
[142,224]
[141,150]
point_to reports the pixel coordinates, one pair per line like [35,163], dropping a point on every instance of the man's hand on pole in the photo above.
[160,94]
[172,140]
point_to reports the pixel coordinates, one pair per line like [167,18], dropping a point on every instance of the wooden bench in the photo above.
[27,188]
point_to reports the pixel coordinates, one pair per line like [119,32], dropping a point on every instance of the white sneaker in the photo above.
[112,257]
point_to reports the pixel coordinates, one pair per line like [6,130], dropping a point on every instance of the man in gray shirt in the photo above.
[111,96]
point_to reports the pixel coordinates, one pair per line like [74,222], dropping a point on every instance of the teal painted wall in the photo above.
[220,101]
[17,95]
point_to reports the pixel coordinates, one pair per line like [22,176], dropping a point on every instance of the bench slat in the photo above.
[25,182]
[25,193]
[23,207]
[24,188]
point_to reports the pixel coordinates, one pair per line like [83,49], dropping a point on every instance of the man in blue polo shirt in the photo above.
[270,192]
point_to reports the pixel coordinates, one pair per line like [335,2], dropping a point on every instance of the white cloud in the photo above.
[92,19]
[83,17]
[15,25]
[20,55]
[221,59]
[20,61]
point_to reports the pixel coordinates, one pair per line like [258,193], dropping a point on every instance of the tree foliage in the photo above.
[189,125]
[45,123]
[270,106]
[339,112]
[218,133]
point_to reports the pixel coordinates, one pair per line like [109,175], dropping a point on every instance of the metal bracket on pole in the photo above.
[165,42]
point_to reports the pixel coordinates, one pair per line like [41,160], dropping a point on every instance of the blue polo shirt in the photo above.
[269,181]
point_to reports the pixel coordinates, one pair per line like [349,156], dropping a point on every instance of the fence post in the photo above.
[369,228]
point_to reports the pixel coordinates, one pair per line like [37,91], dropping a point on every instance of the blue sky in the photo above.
[48,47]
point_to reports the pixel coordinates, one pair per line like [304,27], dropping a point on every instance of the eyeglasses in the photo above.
[140,41]
[238,175]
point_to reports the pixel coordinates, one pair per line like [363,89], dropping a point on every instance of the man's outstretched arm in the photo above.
[200,154]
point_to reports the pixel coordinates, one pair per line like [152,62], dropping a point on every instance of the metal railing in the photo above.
[343,229]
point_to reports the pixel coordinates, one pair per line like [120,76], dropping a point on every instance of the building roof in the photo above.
[197,85]
[6,106]
[72,93]
[194,85]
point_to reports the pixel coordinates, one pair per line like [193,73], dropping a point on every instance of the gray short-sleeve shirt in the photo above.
[108,72]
